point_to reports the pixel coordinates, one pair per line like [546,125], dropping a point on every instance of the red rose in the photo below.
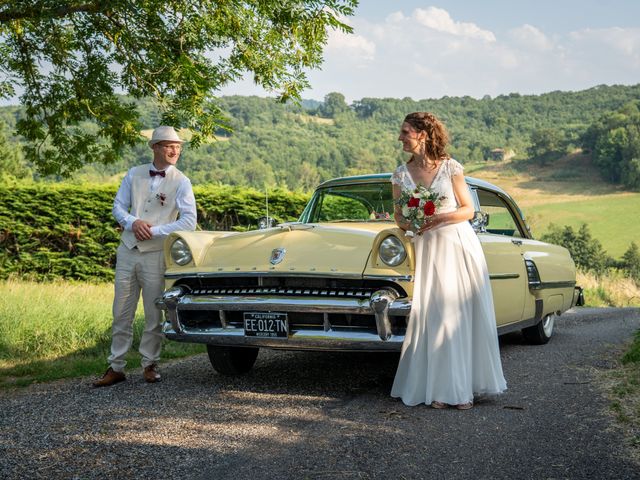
[413,202]
[429,208]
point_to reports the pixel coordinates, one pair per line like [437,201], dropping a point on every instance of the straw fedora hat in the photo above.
[164,134]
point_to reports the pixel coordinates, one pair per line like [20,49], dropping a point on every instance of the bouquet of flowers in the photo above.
[418,205]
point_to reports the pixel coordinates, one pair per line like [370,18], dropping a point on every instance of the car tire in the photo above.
[232,360]
[541,332]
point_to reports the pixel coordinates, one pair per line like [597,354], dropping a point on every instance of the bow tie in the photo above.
[153,173]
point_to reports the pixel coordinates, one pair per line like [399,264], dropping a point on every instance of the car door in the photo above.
[502,240]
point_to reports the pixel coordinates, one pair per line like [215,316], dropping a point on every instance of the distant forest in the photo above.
[296,146]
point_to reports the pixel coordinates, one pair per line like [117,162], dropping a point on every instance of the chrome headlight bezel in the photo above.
[392,251]
[180,252]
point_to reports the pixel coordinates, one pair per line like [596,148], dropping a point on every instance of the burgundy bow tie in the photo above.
[153,173]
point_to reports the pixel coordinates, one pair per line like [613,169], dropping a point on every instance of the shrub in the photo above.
[64,231]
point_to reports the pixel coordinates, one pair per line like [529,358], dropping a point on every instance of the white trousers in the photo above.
[135,272]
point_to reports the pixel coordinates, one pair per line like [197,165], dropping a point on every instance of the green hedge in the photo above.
[64,231]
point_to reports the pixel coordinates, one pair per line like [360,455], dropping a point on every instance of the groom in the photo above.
[153,201]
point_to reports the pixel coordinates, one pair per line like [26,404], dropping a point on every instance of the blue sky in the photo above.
[429,49]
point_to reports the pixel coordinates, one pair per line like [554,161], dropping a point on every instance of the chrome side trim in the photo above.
[567,284]
[390,278]
[503,276]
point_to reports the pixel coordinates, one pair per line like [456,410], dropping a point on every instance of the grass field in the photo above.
[61,330]
[569,192]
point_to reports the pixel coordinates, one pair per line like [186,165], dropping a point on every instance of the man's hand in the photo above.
[142,230]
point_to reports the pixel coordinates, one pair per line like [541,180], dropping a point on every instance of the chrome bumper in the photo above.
[382,304]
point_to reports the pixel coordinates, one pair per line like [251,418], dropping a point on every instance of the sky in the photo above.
[430,49]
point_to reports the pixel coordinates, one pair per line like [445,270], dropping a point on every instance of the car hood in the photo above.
[331,249]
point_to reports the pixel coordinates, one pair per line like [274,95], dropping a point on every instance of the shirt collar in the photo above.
[153,167]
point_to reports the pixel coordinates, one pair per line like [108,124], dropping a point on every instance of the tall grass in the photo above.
[610,290]
[63,329]
[60,330]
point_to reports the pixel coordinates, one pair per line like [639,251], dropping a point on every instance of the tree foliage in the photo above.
[587,252]
[71,59]
[614,140]
[300,145]
[630,262]
[546,144]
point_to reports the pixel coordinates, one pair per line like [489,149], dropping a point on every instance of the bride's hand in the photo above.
[430,223]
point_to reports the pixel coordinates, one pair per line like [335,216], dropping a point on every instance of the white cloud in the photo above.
[352,46]
[529,37]
[440,20]
[619,41]
[430,54]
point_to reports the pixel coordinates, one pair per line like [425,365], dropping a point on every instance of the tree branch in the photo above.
[60,11]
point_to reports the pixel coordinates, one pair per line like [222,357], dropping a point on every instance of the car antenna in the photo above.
[266,201]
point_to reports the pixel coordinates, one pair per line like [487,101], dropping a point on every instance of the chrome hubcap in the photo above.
[547,324]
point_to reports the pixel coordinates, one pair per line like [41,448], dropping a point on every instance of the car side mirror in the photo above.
[480,221]
[266,222]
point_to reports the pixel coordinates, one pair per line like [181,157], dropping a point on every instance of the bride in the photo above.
[450,350]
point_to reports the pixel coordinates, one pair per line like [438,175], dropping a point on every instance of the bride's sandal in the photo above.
[438,405]
[465,406]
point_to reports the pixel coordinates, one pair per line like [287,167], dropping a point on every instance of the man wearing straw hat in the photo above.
[153,200]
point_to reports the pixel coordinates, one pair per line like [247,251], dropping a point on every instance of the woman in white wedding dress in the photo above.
[451,347]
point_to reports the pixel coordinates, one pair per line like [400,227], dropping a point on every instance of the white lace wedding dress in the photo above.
[451,347]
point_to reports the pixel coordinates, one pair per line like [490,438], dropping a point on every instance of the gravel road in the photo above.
[329,416]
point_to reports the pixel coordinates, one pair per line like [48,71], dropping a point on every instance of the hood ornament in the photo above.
[277,255]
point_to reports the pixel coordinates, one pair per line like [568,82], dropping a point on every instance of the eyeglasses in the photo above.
[171,147]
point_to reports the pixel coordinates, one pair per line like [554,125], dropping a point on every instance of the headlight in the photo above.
[180,252]
[392,251]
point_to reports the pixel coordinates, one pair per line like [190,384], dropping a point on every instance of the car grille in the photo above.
[287,291]
[294,287]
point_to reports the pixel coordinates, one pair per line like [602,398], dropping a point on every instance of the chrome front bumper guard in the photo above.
[382,304]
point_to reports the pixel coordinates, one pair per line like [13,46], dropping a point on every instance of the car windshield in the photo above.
[362,202]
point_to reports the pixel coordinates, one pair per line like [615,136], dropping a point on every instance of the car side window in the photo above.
[501,218]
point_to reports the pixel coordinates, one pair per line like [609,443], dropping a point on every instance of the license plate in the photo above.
[266,324]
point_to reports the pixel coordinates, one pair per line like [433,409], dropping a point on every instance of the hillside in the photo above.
[298,146]
[569,191]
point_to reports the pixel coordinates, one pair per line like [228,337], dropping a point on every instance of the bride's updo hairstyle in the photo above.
[437,136]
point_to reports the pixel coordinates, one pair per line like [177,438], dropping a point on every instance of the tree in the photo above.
[586,251]
[334,104]
[72,58]
[12,164]
[631,261]
[546,143]
[614,140]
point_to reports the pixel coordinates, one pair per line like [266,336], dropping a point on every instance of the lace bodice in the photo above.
[441,182]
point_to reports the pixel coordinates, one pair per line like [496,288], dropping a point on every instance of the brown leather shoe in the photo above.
[111,377]
[151,374]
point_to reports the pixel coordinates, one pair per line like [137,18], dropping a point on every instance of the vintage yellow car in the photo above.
[341,278]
